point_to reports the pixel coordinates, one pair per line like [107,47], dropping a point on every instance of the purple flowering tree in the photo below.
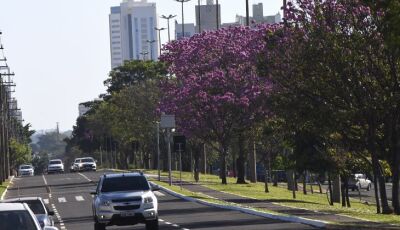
[214,90]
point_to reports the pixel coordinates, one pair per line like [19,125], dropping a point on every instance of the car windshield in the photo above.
[35,205]
[55,162]
[26,167]
[16,220]
[125,183]
[87,160]
[77,160]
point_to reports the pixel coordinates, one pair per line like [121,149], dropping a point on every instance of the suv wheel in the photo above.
[152,224]
[98,226]
[369,187]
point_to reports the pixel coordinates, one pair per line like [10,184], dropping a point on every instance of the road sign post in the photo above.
[168,122]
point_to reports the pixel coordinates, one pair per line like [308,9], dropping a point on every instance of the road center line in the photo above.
[87,178]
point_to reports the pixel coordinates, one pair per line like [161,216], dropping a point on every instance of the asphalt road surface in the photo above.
[69,196]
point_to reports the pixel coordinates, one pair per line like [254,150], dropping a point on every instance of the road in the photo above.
[69,196]
[370,195]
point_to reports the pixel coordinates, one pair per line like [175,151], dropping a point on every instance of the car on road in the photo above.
[26,170]
[17,216]
[55,166]
[124,199]
[84,164]
[38,207]
[359,181]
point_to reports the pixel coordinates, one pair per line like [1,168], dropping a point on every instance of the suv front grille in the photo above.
[128,207]
[132,199]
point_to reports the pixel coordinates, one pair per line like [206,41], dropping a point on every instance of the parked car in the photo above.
[85,164]
[124,199]
[26,170]
[55,166]
[36,204]
[359,181]
[17,216]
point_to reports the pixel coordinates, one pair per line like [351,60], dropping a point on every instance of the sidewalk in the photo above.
[345,221]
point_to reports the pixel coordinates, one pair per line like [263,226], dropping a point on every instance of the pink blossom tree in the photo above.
[215,91]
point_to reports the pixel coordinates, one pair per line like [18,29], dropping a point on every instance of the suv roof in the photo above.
[116,175]
[12,207]
[22,199]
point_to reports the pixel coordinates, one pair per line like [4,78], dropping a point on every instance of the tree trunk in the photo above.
[223,153]
[240,162]
[395,170]
[330,189]
[204,161]
[197,156]
[305,183]
[266,180]
[253,163]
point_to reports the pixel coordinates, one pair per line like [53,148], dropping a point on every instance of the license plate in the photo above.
[127,214]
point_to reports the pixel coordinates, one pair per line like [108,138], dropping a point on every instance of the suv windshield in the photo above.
[77,160]
[56,162]
[25,167]
[35,205]
[87,160]
[16,220]
[125,183]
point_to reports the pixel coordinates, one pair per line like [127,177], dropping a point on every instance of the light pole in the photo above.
[158,151]
[159,36]
[183,18]
[168,18]
[144,53]
[199,17]
[217,13]
[247,13]
[151,47]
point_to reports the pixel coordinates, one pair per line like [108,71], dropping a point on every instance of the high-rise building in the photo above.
[188,27]
[132,31]
[208,16]
[258,16]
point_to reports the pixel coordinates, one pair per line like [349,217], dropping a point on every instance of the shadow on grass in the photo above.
[252,201]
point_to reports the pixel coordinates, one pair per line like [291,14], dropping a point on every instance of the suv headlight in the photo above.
[106,203]
[147,200]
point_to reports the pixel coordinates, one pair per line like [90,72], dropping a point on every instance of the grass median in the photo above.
[3,187]
[282,196]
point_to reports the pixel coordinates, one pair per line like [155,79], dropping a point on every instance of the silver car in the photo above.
[16,216]
[26,170]
[124,199]
[36,204]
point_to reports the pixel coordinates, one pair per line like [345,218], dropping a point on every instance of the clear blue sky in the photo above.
[59,51]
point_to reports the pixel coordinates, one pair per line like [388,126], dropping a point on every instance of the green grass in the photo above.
[282,196]
[3,187]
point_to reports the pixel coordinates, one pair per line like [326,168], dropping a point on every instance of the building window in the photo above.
[115,26]
[115,32]
[115,37]
[115,20]
[115,42]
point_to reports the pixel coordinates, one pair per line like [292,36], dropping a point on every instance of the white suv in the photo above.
[124,199]
[26,170]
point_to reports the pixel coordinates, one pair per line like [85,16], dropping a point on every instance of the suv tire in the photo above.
[98,226]
[152,224]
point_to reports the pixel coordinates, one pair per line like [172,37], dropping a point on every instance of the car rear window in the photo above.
[125,183]
[35,205]
[55,162]
[16,220]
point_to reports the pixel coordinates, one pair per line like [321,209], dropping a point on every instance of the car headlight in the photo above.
[147,200]
[106,203]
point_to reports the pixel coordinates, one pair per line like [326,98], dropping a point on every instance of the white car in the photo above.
[17,216]
[55,166]
[26,170]
[359,181]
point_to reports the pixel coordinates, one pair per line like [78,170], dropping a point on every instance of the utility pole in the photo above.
[183,18]
[247,13]
[168,18]
[159,36]
[199,16]
[217,13]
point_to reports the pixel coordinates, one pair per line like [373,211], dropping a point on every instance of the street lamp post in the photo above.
[183,18]
[151,47]
[247,13]
[159,36]
[144,53]
[168,18]
[217,13]
[199,17]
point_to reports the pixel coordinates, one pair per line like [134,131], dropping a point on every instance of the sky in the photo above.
[60,51]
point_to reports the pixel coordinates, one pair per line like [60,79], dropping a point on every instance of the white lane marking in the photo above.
[157,193]
[175,225]
[44,178]
[161,220]
[185,229]
[167,222]
[79,198]
[46,201]
[87,178]
[62,200]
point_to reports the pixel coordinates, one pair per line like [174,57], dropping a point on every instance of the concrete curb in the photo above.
[294,219]
[5,191]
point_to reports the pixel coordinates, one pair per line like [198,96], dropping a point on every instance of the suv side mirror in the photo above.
[51,213]
[155,188]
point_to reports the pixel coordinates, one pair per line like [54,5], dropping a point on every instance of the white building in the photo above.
[258,16]
[132,30]
[188,27]
[82,109]
[208,16]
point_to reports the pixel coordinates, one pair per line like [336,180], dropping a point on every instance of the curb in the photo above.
[5,191]
[294,219]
